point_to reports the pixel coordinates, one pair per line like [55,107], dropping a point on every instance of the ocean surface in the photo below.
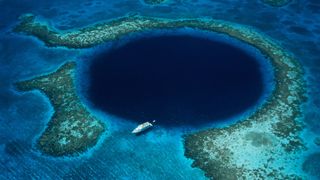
[240,84]
[166,78]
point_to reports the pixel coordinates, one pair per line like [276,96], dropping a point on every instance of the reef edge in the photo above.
[72,129]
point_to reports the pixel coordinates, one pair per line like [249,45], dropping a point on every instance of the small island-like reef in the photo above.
[72,129]
[263,145]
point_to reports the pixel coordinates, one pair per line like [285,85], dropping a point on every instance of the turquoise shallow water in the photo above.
[118,155]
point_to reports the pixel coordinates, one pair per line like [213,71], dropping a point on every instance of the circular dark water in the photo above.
[177,80]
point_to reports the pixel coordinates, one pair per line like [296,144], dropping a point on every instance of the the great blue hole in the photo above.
[176,80]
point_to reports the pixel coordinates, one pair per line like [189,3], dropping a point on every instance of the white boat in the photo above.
[142,127]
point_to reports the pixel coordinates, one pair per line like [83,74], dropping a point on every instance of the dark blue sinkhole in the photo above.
[176,80]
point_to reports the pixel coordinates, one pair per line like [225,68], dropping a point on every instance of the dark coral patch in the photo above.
[276,3]
[312,165]
[154,2]
[16,147]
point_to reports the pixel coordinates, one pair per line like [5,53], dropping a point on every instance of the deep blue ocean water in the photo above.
[175,80]
[159,153]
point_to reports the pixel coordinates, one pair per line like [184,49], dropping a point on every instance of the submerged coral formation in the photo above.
[250,149]
[311,165]
[317,141]
[276,3]
[72,129]
[264,145]
[154,2]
